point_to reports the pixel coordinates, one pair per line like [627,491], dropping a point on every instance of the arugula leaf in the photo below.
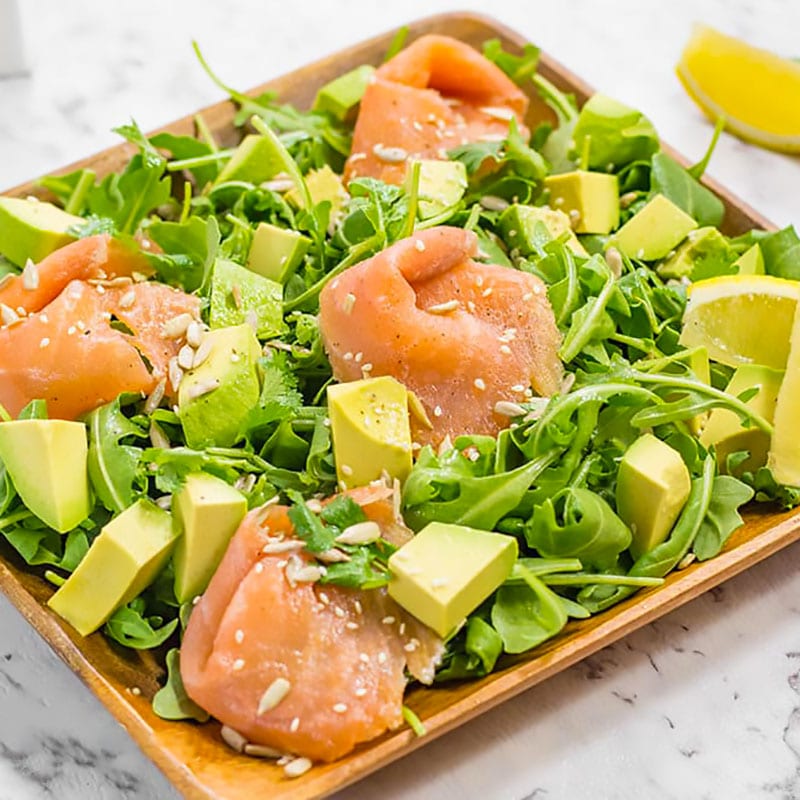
[518,67]
[36,409]
[184,147]
[130,627]
[473,653]
[527,614]
[342,512]
[722,517]
[40,545]
[669,178]
[614,134]
[365,570]
[781,251]
[113,466]
[171,701]
[189,250]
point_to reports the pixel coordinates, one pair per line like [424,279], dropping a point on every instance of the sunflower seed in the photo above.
[274,694]
[333,556]
[194,334]
[233,739]
[392,155]
[493,203]
[297,767]
[360,533]
[202,388]
[175,373]
[30,276]
[185,357]
[262,751]
[176,327]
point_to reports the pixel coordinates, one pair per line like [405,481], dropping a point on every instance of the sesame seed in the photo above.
[349,302]
[487,292]
[323,598]
[259,567]
[72,330]
[640,253]
[352,626]
[45,341]
[364,658]
[346,469]
[348,356]
[239,636]
[517,387]
[505,349]
[339,612]
[357,157]
[128,299]
[358,607]
[419,245]
[297,767]
[410,647]
[438,583]
[382,657]
[498,112]
[135,690]
[358,357]
[340,708]
[480,384]
[366,368]
[238,664]
[388,620]
[196,599]
[44,318]
[437,412]
[416,125]
[360,692]
[274,694]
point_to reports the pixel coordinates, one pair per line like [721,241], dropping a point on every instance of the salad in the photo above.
[387,392]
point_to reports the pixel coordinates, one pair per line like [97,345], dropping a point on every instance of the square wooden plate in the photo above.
[193,756]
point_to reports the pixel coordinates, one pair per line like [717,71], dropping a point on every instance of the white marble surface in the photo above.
[704,703]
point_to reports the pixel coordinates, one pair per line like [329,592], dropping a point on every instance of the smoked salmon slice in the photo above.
[460,334]
[70,355]
[96,257]
[436,94]
[334,657]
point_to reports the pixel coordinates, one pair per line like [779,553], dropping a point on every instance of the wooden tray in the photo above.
[193,756]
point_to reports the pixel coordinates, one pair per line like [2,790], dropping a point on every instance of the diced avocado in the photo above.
[33,229]
[46,459]
[591,199]
[446,571]
[654,230]
[255,160]
[122,561]
[705,254]
[207,511]
[751,262]
[724,429]
[370,430]
[525,227]
[653,485]
[216,397]
[323,184]
[240,295]
[441,184]
[343,94]
[276,252]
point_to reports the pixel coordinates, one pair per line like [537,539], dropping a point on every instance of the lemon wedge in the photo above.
[742,319]
[784,452]
[757,91]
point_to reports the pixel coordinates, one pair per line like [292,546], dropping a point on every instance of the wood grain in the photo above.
[193,756]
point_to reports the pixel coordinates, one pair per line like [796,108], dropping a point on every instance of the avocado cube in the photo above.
[122,561]
[322,184]
[441,184]
[526,228]
[591,199]
[276,252]
[446,571]
[653,231]
[370,430]
[215,397]
[724,429]
[705,254]
[46,460]
[33,229]
[206,511]
[255,160]
[653,484]
[239,295]
[751,262]
[343,94]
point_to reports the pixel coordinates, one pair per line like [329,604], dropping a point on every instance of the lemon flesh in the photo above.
[757,91]
[742,319]
[784,454]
